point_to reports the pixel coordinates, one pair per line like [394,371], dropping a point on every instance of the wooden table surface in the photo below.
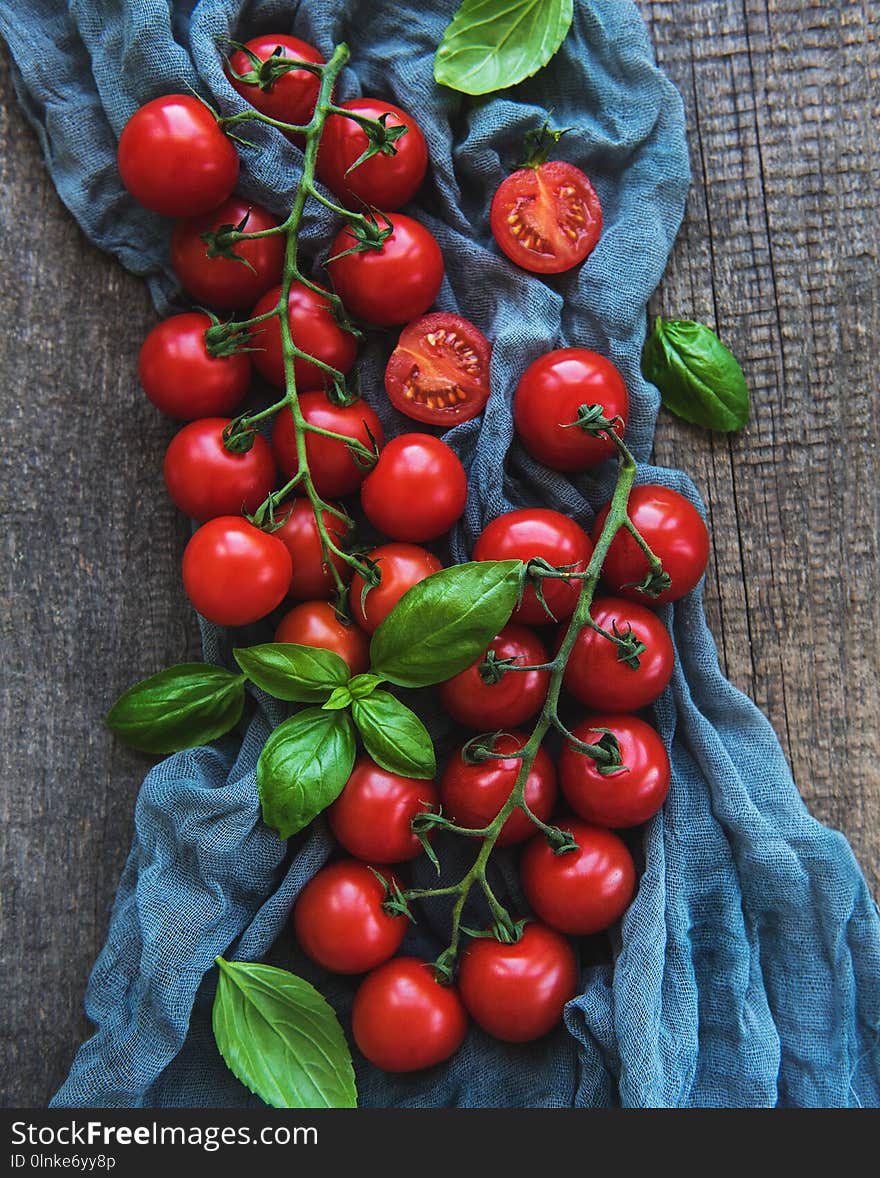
[778,250]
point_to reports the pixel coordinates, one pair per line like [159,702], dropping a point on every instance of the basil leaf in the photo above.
[303,767]
[440,625]
[698,378]
[281,1038]
[490,44]
[394,736]
[181,707]
[305,674]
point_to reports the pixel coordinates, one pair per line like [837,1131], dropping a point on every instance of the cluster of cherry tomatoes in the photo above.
[175,158]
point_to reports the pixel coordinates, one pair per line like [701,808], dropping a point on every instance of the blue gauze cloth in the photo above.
[745,972]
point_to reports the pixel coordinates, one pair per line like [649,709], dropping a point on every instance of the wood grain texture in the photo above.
[779,250]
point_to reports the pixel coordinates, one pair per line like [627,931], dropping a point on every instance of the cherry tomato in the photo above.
[205,480]
[439,371]
[391,285]
[546,219]
[179,376]
[403,1019]
[539,532]
[315,623]
[383,181]
[472,795]
[334,470]
[372,817]
[518,992]
[312,576]
[291,96]
[547,400]
[583,891]
[233,573]
[632,794]
[597,675]
[224,282]
[417,489]
[339,920]
[174,159]
[314,331]
[674,531]
[401,566]
[517,695]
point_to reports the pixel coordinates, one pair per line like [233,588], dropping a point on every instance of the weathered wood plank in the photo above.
[778,249]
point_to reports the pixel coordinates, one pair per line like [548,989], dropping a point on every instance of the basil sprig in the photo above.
[698,378]
[179,708]
[491,44]
[281,1038]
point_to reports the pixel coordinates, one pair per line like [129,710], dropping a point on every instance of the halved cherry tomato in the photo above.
[314,331]
[223,282]
[546,218]
[179,376]
[205,480]
[333,468]
[316,623]
[339,920]
[372,817]
[545,407]
[439,371]
[292,95]
[631,794]
[401,566]
[312,577]
[383,181]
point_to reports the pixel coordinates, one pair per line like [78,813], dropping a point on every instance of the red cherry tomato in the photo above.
[312,576]
[583,891]
[547,400]
[472,795]
[546,219]
[403,1019]
[174,159]
[596,673]
[233,573]
[372,817]
[674,531]
[205,480]
[391,285]
[314,623]
[339,920]
[224,282]
[632,794]
[439,371]
[179,376]
[402,566]
[518,992]
[515,698]
[314,331]
[539,532]
[383,181]
[289,97]
[334,470]
[417,489]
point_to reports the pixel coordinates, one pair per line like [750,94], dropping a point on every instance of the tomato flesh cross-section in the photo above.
[439,371]
[548,218]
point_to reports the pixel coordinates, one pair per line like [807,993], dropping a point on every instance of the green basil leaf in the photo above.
[490,44]
[440,625]
[303,767]
[305,674]
[698,378]
[181,707]
[281,1038]
[341,698]
[363,685]
[394,736]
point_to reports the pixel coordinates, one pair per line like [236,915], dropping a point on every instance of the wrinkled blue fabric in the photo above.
[745,973]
